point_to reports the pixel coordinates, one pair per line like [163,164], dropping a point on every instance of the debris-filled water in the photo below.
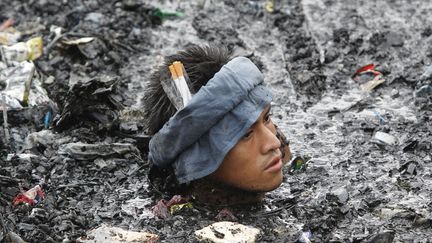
[77,147]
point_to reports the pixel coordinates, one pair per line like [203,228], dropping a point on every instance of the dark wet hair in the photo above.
[201,64]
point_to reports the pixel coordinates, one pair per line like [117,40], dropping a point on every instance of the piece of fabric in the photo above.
[196,139]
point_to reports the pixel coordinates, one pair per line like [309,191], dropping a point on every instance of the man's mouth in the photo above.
[275,165]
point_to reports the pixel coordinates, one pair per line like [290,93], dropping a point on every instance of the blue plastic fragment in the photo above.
[47,118]
[381,118]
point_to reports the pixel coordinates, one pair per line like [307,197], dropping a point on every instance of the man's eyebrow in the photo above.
[265,114]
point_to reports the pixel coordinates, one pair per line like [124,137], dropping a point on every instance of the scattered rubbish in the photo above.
[371,84]
[160,210]
[338,195]
[427,73]
[164,209]
[38,213]
[410,145]
[49,80]
[379,116]
[6,24]
[92,49]
[226,215]
[48,119]
[421,221]
[258,7]
[90,101]
[382,138]
[269,6]
[8,34]
[57,31]
[224,232]
[365,69]
[85,151]
[305,237]
[44,138]
[138,207]
[32,197]
[27,86]
[78,41]
[5,119]
[23,51]
[162,15]
[409,168]
[11,237]
[394,93]
[105,233]
[175,208]
[22,87]
[382,237]
[298,163]
[424,91]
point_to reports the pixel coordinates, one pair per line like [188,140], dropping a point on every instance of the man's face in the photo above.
[254,163]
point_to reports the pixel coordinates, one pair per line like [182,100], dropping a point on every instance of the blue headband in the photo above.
[196,139]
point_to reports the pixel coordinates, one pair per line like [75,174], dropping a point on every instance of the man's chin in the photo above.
[268,187]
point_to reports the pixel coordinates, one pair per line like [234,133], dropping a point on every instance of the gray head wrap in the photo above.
[196,139]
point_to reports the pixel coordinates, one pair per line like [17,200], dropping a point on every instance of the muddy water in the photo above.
[353,189]
[335,131]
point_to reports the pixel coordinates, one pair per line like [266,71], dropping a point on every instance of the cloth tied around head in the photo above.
[197,138]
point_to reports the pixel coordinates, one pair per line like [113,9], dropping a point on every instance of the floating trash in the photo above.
[297,163]
[31,197]
[23,51]
[305,237]
[371,84]
[227,232]
[382,138]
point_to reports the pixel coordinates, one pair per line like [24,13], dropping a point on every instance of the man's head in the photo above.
[255,162]
[241,130]
[201,64]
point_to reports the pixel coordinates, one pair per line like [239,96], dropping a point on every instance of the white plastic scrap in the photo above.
[116,235]
[384,138]
[14,91]
[305,237]
[224,232]
[78,41]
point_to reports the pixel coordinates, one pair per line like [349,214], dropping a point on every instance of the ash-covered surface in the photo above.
[91,162]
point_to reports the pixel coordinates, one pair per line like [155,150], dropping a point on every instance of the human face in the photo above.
[254,163]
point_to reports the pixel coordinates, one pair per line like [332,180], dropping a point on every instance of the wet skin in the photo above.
[255,162]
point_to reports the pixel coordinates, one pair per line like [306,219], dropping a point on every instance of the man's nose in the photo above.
[269,141]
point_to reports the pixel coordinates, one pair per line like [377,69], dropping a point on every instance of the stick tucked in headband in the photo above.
[196,139]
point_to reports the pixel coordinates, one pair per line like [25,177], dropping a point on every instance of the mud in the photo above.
[92,162]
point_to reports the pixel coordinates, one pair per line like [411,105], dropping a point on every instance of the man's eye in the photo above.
[247,135]
[267,118]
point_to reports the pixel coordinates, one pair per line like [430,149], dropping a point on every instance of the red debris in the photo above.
[226,215]
[176,199]
[6,24]
[162,207]
[370,68]
[160,210]
[31,197]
